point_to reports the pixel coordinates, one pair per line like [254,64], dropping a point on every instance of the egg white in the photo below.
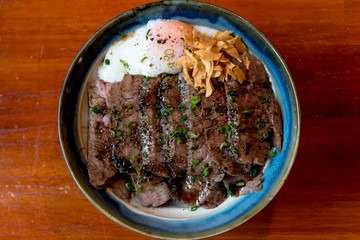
[140,56]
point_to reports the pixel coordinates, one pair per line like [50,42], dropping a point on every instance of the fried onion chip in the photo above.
[209,58]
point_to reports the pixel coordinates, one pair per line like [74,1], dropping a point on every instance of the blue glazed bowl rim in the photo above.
[63,137]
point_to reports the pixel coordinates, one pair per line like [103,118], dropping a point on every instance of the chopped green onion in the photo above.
[118,133]
[234,150]
[240,184]
[231,99]
[195,162]
[226,130]
[168,79]
[233,126]
[143,59]
[253,172]
[157,107]
[181,108]
[194,147]
[158,115]
[192,179]
[174,189]
[129,187]
[224,145]
[123,124]
[195,100]
[142,179]
[95,109]
[147,34]
[150,189]
[272,154]
[206,171]
[167,111]
[192,106]
[195,134]
[229,192]
[247,113]
[170,64]
[116,117]
[132,125]
[145,155]
[126,65]
[266,135]
[213,163]
[182,118]
[166,58]
[112,132]
[132,159]
[141,167]
[166,87]
[107,62]
[139,190]
[264,99]
[169,51]
[258,126]
[128,106]
[146,79]
[161,139]
[192,208]
[180,141]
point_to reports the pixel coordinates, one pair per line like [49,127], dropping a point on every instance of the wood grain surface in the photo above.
[319,40]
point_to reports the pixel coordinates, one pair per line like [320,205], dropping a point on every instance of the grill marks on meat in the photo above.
[150,128]
[126,121]
[135,133]
[174,148]
[112,141]
[214,116]
[101,170]
[197,188]
[257,128]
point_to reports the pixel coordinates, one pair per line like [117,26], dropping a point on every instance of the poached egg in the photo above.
[149,50]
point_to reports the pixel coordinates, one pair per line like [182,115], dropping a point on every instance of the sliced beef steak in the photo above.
[173,127]
[112,140]
[150,128]
[202,185]
[253,110]
[150,191]
[119,189]
[214,117]
[101,170]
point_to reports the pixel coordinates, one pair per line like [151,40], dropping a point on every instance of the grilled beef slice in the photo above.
[119,189]
[150,191]
[101,170]
[214,117]
[112,142]
[172,122]
[253,110]
[202,184]
[150,128]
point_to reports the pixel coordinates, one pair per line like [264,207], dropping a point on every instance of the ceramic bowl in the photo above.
[174,221]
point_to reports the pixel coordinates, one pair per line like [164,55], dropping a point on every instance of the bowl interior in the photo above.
[72,122]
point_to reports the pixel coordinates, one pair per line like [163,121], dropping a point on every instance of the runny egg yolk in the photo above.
[165,40]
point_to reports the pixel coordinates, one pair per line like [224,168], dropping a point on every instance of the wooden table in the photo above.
[319,40]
